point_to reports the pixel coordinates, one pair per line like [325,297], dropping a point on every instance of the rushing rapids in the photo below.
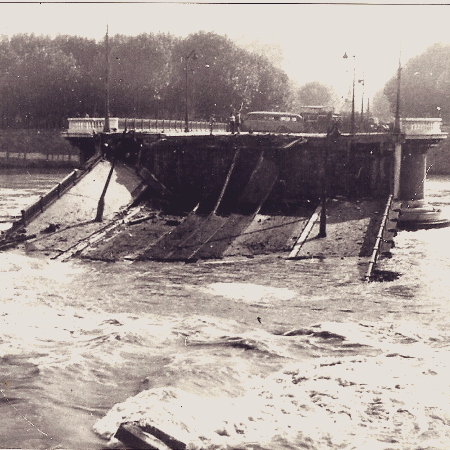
[345,364]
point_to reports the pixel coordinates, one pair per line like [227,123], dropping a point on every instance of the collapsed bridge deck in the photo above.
[200,196]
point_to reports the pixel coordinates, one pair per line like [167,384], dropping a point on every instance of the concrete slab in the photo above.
[267,234]
[70,219]
[351,229]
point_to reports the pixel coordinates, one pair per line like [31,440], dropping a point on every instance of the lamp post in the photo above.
[397,124]
[362,102]
[353,93]
[397,133]
[192,55]
[349,182]
[106,127]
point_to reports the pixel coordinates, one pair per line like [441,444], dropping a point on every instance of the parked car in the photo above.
[273,122]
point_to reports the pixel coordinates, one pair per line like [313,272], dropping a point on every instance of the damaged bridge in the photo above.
[146,195]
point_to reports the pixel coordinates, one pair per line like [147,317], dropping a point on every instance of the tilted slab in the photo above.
[208,236]
[70,218]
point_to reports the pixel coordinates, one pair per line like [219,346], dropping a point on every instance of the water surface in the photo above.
[78,337]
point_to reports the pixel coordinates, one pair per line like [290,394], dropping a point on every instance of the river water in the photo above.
[369,359]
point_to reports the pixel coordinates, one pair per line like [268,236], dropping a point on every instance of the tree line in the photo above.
[45,80]
[424,85]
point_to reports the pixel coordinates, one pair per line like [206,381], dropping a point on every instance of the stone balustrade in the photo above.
[89,126]
[421,126]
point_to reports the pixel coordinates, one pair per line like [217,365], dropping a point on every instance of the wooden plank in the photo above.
[296,232]
[168,440]
[94,237]
[227,180]
[258,188]
[134,437]
[171,241]
[305,233]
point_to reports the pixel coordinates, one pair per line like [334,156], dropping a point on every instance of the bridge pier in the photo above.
[416,212]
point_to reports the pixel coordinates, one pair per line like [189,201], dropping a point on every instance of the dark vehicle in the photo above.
[273,122]
[317,118]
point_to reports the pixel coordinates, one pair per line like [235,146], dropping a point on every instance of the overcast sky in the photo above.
[312,38]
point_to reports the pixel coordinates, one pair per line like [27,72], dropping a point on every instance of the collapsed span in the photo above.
[207,234]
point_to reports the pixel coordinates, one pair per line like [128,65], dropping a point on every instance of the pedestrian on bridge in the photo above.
[237,122]
[212,119]
[232,122]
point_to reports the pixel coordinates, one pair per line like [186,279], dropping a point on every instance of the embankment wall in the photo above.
[36,148]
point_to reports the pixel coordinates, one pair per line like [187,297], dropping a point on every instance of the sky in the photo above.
[312,38]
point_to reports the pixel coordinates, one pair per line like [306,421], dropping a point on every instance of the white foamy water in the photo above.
[249,292]
[19,188]
[249,353]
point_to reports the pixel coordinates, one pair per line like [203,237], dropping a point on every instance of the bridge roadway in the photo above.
[411,128]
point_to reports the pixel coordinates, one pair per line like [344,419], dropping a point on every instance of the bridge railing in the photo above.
[168,125]
[89,126]
[420,126]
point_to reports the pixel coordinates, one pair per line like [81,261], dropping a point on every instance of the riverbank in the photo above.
[35,149]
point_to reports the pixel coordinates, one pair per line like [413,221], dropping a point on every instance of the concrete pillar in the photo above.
[397,169]
[416,213]
[413,173]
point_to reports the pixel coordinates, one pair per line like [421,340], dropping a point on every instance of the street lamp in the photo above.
[362,101]
[353,93]
[192,55]
[397,124]
[106,127]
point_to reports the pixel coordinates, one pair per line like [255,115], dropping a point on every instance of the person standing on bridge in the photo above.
[237,122]
[232,122]
[212,119]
